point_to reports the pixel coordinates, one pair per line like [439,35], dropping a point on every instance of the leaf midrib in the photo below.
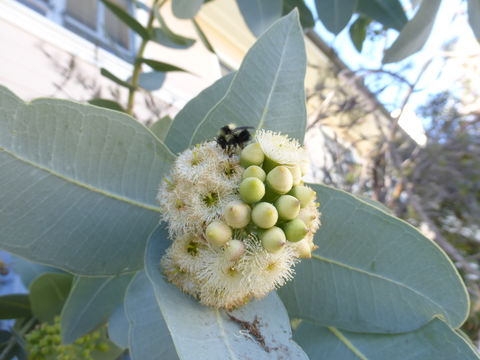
[378,276]
[347,343]
[81,184]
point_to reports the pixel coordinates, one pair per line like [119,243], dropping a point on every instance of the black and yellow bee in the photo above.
[230,136]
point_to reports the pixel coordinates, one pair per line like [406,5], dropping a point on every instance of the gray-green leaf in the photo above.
[47,295]
[436,341]
[118,327]
[474,17]
[90,303]
[306,17]
[186,9]
[151,80]
[127,19]
[149,336]
[184,124]
[14,306]
[260,14]
[166,37]
[373,272]
[414,34]
[161,126]
[78,185]
[389,13]
[335,14]
[200,332]
[268,89]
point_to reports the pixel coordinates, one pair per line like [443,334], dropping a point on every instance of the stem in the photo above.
[137,67]
[13,341]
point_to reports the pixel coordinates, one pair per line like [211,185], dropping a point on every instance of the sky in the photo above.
[445,28]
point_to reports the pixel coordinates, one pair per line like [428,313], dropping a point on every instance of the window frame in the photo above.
[55,10]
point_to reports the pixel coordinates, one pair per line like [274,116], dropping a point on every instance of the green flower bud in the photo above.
[251,155]
[280,180]
[288,207]
[264,215]
[254,171]
[295,230]
[304,194]
[251,190]
[103,347]
[234,250]
[273,239]
[296,174]
[237,214]
[218,233]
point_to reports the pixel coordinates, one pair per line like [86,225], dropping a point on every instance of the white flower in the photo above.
[282,150]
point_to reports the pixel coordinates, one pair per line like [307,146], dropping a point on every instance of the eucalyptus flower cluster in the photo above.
[239,218]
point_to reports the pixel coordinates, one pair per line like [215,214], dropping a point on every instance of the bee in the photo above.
[230,137]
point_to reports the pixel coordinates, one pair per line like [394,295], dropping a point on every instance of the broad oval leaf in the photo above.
[260,14]
[193,112]
[127,19]
[161,126]
[200,332]
[78,185]
[414,34]
[373,272]
[389,13]
[148,336]
[14,306]
[335,14]
[268,89]
[151,80]
[118,327]
[90,303]
[29,271]
[474,17]
[186,9]
[436,341]
[166,37]
[48,294]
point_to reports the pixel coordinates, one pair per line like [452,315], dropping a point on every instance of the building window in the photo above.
[91,20]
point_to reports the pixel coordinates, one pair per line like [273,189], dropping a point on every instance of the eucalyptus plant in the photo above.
[79,188]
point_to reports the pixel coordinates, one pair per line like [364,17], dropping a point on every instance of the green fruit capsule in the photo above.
[295,230]
[234,249]
[251,155]
[296,174]
[280,180]
[251,190]
[218,233]
[264,215]
[237,214]
[273,239]
[288,207]
[254,171]
[304,194]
